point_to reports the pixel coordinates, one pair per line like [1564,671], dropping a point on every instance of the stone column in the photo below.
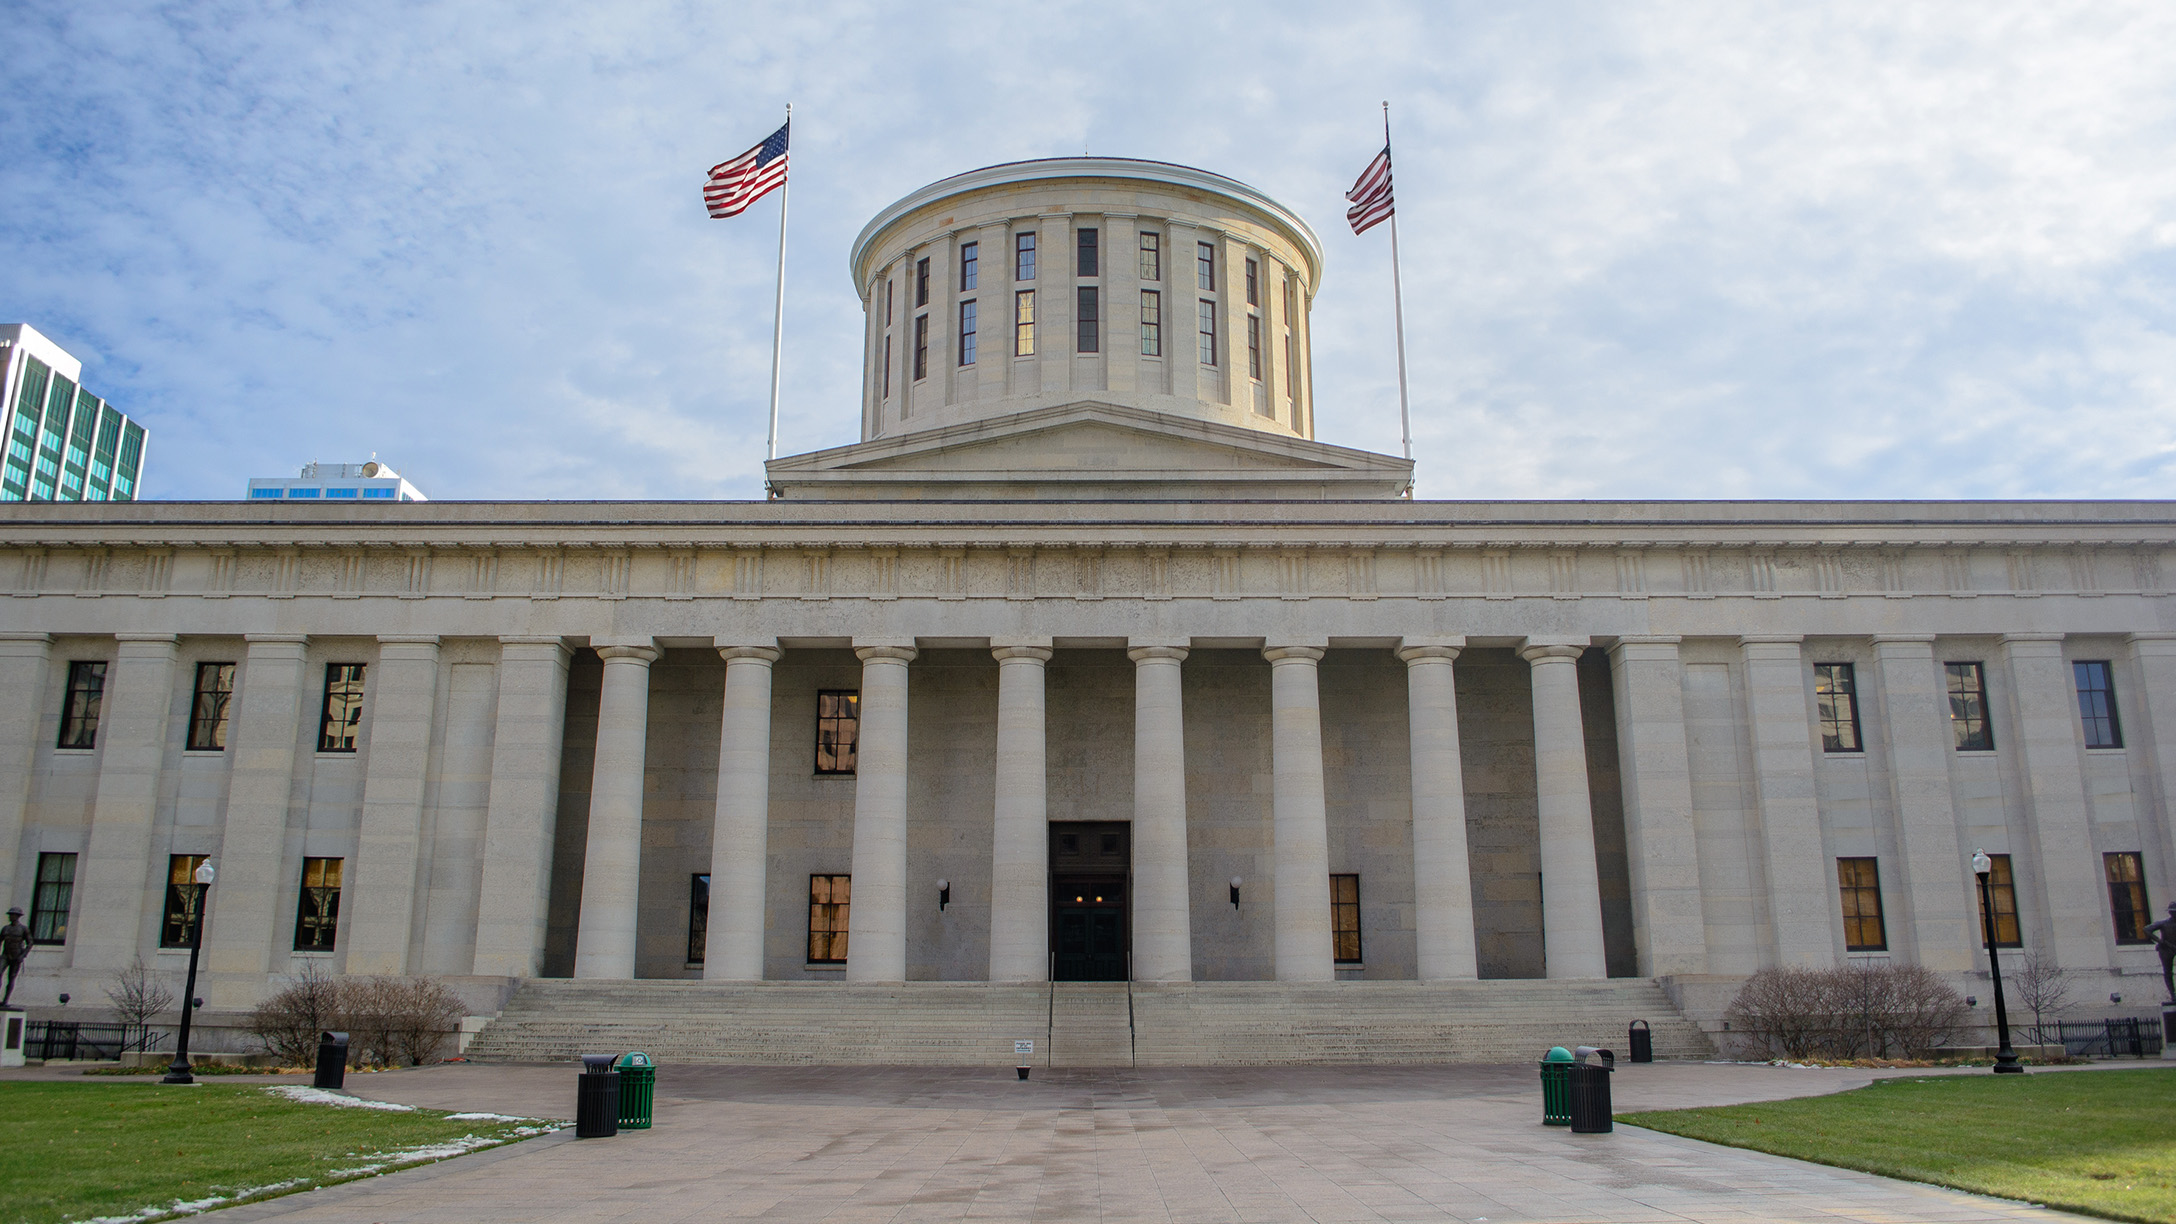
[2072,893]
[25,663]
[1020,836]
[876,948]
[740,839]
[1930,874]
[521,817]
[612,864]
[1299,816]
[1668,926]
[1163,940]
[1800,878]
[1442,877]
[245,920]
[114,876]
[1571,890]
[381,899]
[2153,660]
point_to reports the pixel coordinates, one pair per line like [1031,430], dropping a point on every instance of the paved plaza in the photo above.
[1204,1146]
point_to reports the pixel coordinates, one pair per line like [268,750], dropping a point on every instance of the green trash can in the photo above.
[638,1089]
[1556,1088]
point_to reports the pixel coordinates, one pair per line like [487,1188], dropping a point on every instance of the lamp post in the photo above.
[177,1072]
[2005,1057]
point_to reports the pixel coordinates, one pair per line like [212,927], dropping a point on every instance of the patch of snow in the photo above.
[192,1206]
[322,1096]
[483,1117]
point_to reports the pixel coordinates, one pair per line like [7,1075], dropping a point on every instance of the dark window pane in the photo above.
[1345,919]
[2127,897]
[1859,882]
[1152,324]
[2003,890]
[1023,257]
[1085,253]
[182,892]
[921,281]
[968,315]
[970,259]
[50,901]
[342,720]
[1152,257]
[79,711]
[1836,701]
[2097,704]
[1205,266]
[830,899]
[1205,317]
[838,730]
[921,346]
[1254,293]
[317,909]
[1088,330]
[1968,707]
[698,917]
[208,710]
[1023,323]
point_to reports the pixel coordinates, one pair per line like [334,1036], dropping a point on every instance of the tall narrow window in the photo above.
[2002,886]
[208,712]
[1023,323]
[342,719]
[2126,896]
[1085,254]
[1254,347]
[182,891]
[1023,257]
[1205,266]
[2097,704]
[887,367]
[838,730]
[79,713]
[1836,701]
[49,902]
[1254,291]
[967,332]
[317,910]
[887,301]
[1087,327]
[1968,707]
[1291,367]
[1859,880]
[1206,318]
[921,347]
[1152,257]
[698,917]
[970,258]
[830,900]
[921,281]
[1345,919]
[1152,323]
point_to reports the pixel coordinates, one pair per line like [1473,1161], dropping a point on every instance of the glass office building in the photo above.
[62,442]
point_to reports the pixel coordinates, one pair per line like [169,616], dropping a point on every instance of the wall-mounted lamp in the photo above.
[64,998]
[944,894]
[1236,882]
[1971,1000]
[2115,998]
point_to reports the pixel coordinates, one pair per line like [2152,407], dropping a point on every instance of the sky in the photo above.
[1650,250]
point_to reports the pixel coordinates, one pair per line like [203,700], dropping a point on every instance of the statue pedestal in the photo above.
[12,1027]
[2168,1031]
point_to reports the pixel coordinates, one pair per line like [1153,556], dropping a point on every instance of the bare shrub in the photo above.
[1920,1011]
[138,994]
[288,1023]
[1786,1009]
[1863,1010]
[388,1020]
[2043,988]
[424,1016]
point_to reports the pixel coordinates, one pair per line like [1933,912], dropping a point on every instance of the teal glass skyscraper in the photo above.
[62,442]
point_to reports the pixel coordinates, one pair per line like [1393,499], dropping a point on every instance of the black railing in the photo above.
[68,1039]
[2132,1038]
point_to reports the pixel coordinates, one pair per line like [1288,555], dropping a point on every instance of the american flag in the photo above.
[734,185]
[1371,200]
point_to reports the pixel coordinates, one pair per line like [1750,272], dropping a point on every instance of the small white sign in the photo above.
[1023,1048]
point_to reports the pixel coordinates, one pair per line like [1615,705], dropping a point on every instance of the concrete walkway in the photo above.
[1195,1146]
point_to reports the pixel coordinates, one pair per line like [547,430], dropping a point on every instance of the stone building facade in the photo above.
[1138,679]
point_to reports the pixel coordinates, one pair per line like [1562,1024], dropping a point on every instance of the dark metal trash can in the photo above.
[1556,1093]
[597,1099]
[332,1060]
[1590,1092]
[1642,1039]
[638,1087]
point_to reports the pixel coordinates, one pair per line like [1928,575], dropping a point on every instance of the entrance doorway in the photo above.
[1089,923]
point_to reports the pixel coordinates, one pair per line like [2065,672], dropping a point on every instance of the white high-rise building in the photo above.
[62,442]
[372,481]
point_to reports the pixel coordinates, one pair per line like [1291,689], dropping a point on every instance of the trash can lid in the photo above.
[633,1058]
[596,1064]
[1557,1054]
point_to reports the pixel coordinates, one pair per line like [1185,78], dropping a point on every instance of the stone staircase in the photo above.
[1079,1024]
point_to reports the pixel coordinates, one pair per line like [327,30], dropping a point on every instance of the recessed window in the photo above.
[1254,347]
[887,367]
[1859,881]
[208,710]
[887,301]
[921,347]
[339,492]
[921,281]
[1023,323]
[312,491]
[830,900]
[1205,317]
[1087,326]
[838,730]
[1084,253]
[1023,257]
[1152,323]
[1205,266]
[1345,918]
[1836,703]
[1254,292]
[2097,704]
[967,333]
[50,900]
[2127,896]
[1968,707]
[698,916]
[2002,887]
[182,892]
[970,258]
[79,711]
[342,719]
[317,910]
[1152,257]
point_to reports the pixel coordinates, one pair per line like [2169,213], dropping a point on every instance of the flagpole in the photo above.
[1397,297]
[778,315]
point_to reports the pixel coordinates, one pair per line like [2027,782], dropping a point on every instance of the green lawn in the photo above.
[2101,1142]
[76,1151]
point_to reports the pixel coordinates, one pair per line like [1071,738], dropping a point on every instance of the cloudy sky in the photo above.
[1651,249]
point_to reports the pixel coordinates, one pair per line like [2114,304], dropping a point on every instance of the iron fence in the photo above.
[2129,1038]
[69,1039]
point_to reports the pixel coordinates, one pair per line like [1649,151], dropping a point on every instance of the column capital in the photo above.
[276,639]
[1411,654]
[409,648]
[1013,653]
[902,654]
[1143,654]
[156,638]
[1645,647]
[518,639]
[1293,654]
[2153,643]
[1541,649]
[765,655]
[25,645]
[1902,639]
[1454,643]
[2052,641]
[408,639]
[643,654]
[1773,647]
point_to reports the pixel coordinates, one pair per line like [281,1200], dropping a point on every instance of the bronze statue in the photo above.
[15,947]
[2163,934]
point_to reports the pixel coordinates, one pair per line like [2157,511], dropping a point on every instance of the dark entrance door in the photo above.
[1088,913]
